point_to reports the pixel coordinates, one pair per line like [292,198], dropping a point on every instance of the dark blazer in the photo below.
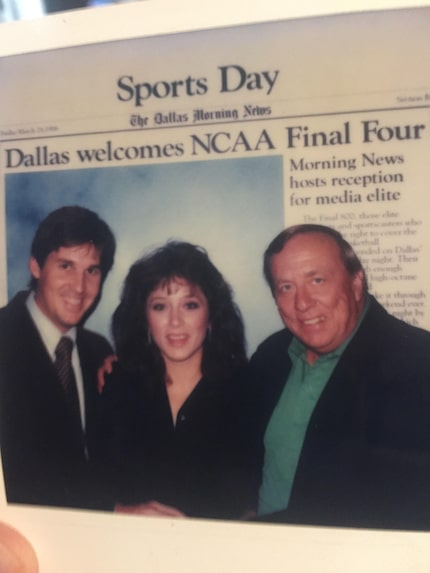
[366,455]
[43,461]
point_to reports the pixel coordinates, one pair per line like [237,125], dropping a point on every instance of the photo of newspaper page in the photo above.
[323,124]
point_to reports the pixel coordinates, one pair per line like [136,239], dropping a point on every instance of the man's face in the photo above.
[318,301]
[67,284]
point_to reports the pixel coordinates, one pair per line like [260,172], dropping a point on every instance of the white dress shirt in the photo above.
[51,336]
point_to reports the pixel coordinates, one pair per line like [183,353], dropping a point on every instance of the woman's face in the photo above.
[178,319]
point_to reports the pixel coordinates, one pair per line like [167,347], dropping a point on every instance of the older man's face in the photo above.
[318,301]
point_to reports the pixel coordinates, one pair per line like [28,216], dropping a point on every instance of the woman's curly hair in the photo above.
[224,346]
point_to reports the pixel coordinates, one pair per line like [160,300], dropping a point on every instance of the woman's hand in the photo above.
[105,368]
[150,508]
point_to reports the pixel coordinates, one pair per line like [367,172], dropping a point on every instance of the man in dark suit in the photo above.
[342,395]
[49,362]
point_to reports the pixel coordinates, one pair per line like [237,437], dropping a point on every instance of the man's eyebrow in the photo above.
[310,273]
[73,262]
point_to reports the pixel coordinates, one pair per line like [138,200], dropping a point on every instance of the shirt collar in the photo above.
[48,331]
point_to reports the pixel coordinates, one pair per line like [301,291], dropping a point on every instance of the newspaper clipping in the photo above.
[223,138]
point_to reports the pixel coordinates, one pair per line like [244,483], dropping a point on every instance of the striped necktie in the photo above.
[63,365]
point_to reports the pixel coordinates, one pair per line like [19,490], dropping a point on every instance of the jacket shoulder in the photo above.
[17,329]
[94,343]
[14,311]
[394,332]
[273,346]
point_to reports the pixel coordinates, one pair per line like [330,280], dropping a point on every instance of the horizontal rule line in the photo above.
[215,123]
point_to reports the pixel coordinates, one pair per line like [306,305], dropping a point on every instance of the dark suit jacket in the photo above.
[43,461]
[365,457]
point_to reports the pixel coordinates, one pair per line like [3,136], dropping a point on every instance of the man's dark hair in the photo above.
[72,226]
[224,347]
[350,260]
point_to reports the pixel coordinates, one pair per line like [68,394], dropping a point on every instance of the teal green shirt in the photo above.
[285,432]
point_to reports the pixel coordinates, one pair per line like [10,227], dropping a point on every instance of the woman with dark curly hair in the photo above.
[171,405]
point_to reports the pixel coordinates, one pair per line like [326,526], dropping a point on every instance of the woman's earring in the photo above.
[209,333]
[149,337]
